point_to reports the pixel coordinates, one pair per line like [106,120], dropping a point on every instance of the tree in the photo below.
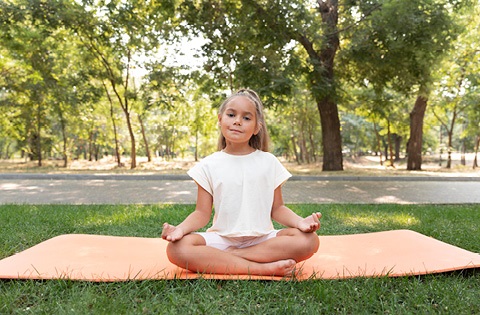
[30,37]
[456,91]
[295,129]
[449,110]
[114,125]
[119,33]
[73,93]
[254,44]
[203,123]
[12,97]
[55,84]
[385,110]
[472,113]
[401,45]
[12,74]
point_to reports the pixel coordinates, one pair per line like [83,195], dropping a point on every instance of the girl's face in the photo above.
[238,122]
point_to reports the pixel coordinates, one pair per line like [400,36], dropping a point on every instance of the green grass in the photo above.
[22,226]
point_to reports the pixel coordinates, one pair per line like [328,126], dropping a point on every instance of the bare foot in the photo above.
[285,267]
[280,268]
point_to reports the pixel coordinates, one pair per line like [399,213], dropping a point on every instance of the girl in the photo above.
[242,182]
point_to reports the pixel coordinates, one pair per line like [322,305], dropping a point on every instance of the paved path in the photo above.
[22,188]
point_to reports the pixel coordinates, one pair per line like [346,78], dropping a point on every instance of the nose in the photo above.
[238,120]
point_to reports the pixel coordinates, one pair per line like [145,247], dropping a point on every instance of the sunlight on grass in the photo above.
[115,218]
[122,215]
[375,219]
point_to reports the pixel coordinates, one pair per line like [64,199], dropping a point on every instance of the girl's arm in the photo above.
[194,221]
[285,216]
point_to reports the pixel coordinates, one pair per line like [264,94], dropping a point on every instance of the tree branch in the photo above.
[363,18]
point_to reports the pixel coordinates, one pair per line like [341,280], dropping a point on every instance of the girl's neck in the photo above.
[238,149]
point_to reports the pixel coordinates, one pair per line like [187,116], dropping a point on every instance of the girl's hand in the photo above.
[310,223]
[171,233]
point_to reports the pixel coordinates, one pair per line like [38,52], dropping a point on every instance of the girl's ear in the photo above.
[219,119]
[258,128]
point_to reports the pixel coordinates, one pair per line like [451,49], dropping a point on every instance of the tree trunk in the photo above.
[331,138]
[126,111]
[475,160]
[330,122]
[133,150]
[312,144]
[303,144]
[65,143]
[96,151]
[449,149]
[115,133]
[123,101]
[390,146]
[379,145]
[441,150]
[38,142]
[294,146]
[63,126]
[321,80]
[414,145]
[398,142]
[90,145]
[7,151]
[323,84]
[462,158]
[196,145]
[145,140]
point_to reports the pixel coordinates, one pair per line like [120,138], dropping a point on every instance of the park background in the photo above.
[395,82]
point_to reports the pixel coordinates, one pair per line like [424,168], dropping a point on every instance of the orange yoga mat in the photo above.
[111,258]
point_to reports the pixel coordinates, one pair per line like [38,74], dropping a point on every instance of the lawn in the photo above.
[22,226]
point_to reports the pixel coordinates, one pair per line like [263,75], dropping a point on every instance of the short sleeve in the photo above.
[281,173]
[200,175]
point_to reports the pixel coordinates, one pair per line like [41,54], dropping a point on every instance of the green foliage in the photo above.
[398,47]
[456,93]
[295,129]
[70,70]
[242,50]
[401,42]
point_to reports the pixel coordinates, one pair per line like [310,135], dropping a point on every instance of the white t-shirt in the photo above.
[242,187]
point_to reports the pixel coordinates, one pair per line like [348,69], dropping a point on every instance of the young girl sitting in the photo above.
[242,182]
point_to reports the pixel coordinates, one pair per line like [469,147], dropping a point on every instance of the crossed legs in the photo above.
[274,257]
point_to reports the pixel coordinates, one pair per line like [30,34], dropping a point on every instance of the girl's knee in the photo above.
[314,242]
[306,244]
[310,247]
[311,243]
[178,251]
[173,252]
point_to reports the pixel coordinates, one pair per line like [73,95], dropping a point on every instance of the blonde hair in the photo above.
[261,140]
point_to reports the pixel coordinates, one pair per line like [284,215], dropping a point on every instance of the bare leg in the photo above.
[290,243]
[191,253]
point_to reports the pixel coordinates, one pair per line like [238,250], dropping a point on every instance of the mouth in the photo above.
[235,131]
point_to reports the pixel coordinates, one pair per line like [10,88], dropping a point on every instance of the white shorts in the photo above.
[212,239]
